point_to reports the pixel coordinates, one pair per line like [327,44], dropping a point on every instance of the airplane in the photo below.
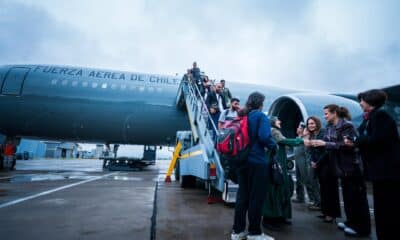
[96,105]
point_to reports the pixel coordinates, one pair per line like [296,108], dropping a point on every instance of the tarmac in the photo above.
[76,199]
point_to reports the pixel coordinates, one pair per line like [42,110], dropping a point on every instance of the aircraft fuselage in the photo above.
[90,105]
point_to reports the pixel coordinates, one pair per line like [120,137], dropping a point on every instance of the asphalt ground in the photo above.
[76,199]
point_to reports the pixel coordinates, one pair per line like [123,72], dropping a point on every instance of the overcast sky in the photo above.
[336,45]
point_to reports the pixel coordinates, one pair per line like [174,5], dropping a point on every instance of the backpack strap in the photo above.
[226,112]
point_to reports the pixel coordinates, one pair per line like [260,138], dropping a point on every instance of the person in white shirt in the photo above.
[229,113]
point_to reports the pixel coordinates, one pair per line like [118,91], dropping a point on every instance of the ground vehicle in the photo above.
[198,159]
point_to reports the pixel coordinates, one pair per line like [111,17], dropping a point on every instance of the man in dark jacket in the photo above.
[226,92]
[379,145]
[196,72]
[216,97]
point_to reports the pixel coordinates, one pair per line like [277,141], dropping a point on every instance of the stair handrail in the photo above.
[192,90]
[203,103]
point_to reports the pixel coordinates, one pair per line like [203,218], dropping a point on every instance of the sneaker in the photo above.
[341,225]
[350,232]
[239,236]
[259,237]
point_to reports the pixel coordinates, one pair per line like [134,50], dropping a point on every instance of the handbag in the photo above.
[276,172]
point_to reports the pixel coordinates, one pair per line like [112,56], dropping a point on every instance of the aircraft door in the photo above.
[14,81]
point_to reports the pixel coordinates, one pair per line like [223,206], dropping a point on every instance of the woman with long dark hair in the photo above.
[342,161]
[254,174]
[315,132]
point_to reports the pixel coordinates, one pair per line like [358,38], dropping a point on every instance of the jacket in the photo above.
[379,146]
[212,99]
[317,153]
[342,160]
[9,150]
[260,137]
[277,201]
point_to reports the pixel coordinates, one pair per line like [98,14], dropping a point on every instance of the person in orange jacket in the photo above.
[9,152]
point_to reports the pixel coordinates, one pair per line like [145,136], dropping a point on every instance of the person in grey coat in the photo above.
[304,173]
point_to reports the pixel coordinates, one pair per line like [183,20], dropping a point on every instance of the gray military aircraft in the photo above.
[96,105]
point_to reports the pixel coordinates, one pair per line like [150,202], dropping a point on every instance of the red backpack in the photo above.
[233,141]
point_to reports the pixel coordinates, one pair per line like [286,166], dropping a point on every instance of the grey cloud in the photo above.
[280,43]
[31,35]
[19,38]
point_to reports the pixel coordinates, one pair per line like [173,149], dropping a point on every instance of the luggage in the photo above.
[233,143]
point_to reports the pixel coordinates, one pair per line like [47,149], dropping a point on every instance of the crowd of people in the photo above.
[325,156]
[218,99]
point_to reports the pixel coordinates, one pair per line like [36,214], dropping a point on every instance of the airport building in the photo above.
[98,151]
[61,150]
[30,149]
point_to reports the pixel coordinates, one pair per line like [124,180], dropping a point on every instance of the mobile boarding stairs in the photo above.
[195,158]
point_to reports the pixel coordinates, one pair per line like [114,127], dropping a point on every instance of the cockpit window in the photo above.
[14,81]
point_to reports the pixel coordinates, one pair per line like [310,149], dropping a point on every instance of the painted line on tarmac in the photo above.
[53,190]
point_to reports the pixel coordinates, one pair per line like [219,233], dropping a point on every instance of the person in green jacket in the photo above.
[277,209]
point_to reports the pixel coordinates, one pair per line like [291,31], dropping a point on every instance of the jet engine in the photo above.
[294,108]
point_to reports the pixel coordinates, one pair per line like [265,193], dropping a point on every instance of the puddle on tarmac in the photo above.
[66,176]
[55,201]
[49,177]
[80,177]
[125,178]
[36,177]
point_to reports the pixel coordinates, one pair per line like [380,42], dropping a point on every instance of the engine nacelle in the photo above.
[293,108]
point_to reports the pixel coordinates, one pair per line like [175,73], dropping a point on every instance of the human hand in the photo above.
[318,143]
[347,141]
[307,142]
[313,165]
[306,132]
